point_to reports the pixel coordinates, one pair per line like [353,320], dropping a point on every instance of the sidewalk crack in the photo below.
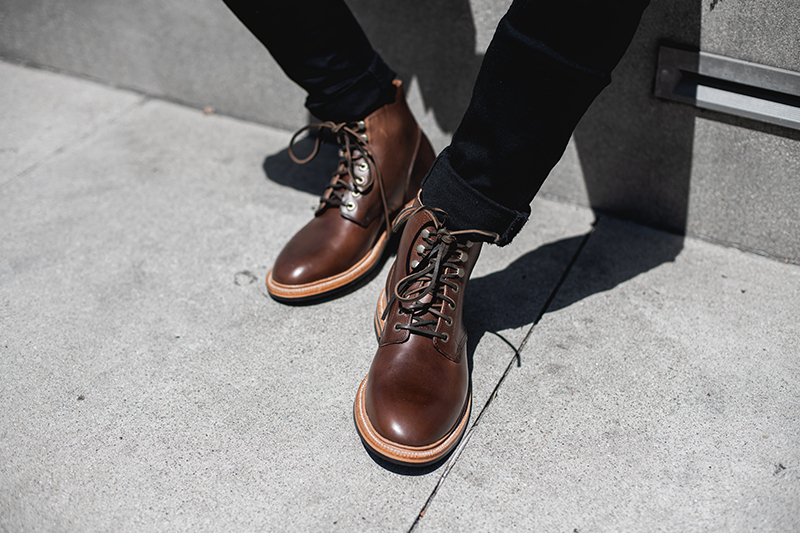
[560,282]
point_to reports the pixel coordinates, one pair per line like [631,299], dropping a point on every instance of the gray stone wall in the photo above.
[190,51]
[669,165]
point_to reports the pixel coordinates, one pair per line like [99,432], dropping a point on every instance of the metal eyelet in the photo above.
[448,320]
[451,306]
[341,152]
[420,249]
[355,194]
[399,312]
[446,338]
[350,206]
[425,233]
[455,288]
[464,257]
[460,272]
[396,326]
[361,125]
[414,263]
[363,166]
[359,180]
[364,137]
[469,244]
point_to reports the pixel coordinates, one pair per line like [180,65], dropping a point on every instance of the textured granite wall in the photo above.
[730,180]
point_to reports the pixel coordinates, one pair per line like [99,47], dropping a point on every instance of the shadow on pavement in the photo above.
[514,297]
[311,177]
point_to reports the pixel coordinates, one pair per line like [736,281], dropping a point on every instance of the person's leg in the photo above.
[546,63]
[322,48]
[383,155]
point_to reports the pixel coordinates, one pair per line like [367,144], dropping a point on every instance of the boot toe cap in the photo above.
[293,272]
[411,416]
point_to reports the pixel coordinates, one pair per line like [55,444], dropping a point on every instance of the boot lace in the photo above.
[443,254]
[354,151]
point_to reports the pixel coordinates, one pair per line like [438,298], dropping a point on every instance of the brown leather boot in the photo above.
[383,159]
[413,406]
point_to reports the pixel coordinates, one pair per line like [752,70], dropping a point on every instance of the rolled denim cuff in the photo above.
[465,206]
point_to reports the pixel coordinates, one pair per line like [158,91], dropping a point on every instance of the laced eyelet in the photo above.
[359,180]
[363,166]
[451,306]
[446,338]
[364,137]
[455,288]
[350,206]
[425,233]
[396,326]
[399,311]
[420,249]
[355,194]
[464,257]
[448,320]
[460,272]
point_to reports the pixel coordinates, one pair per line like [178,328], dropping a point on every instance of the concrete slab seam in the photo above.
[742,248]
[145,94]
[515,358]
[76,142]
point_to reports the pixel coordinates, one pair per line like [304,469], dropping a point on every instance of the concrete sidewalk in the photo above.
[149,383]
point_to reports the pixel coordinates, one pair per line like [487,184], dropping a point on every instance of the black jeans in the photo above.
[547,62]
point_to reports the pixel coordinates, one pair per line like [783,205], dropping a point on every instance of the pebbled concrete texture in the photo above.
[730,198]
[149,383]
[58,113]
[667,403]
[729,27]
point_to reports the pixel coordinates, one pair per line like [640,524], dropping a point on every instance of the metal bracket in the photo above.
[732,86]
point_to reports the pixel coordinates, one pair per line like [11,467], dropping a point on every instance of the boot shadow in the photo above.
[311,177]
[516,296]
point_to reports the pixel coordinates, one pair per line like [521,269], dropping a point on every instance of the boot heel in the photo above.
[423,161]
